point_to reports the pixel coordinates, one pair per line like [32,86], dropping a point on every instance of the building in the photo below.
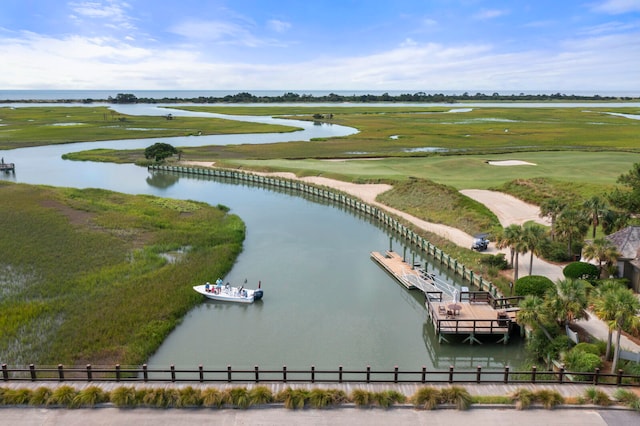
[627,241]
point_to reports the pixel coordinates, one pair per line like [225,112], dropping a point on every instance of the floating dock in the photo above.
[7,167]
[408,275]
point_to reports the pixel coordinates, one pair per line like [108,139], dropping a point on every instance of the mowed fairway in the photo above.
[469,171]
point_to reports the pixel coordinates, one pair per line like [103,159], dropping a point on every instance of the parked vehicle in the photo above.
[480,242]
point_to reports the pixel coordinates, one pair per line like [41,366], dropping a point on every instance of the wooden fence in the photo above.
[408,234]
[312,375]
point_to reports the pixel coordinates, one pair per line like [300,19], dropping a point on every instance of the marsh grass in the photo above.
[76,308]
[435,203]
[34,126]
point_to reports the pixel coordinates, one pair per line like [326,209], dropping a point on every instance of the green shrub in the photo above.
[123,396]
[497,261]
[427,398]
[293,399]
[157,398]
[212,397]
[456,395]
[581,271]
[189,397]
[580,361]
[260,395]
[91,396]
[590,348]
[536,285]
[554,251]
[597,397]
[628,398]
[322,398]
[239,397]
[549,398]
[20,396]
[41,396]
[361,398]
[523,398]
[65,395]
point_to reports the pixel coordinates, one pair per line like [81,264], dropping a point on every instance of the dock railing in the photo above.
[172,374]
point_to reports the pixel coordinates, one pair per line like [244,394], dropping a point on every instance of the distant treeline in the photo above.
[290,97]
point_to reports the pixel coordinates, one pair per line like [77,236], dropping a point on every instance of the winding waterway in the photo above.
[326,303]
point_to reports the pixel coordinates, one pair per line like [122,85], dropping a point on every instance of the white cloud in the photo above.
[490,14]
[593,63]
[617,7]
[111,11]
[278,26]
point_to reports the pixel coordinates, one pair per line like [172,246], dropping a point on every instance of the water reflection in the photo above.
[162,180]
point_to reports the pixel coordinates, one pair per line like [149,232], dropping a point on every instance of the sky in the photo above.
[566,46]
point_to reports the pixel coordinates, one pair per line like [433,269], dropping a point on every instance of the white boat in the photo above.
[229,293]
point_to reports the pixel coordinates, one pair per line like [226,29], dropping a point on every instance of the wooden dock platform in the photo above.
[7,167]
[408,275]
[473,314]
[471,319]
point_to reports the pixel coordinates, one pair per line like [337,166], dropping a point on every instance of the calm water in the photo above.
[326,303]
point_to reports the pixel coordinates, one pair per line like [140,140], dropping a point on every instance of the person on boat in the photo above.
[206,287]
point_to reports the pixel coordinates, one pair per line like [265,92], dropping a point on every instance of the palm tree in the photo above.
[604,310]
[596,208]
[551,208]
[620,307]
[508,238]
[601,249]
[568,300]
[613,221]
[533,235]
[533,314]
[571,224]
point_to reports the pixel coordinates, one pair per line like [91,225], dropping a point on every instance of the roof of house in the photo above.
[627,241]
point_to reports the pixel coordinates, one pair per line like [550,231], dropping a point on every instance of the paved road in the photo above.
[341,416]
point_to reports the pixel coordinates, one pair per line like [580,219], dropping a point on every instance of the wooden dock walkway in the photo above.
[408,275]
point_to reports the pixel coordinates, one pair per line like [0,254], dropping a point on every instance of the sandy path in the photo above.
[508,208]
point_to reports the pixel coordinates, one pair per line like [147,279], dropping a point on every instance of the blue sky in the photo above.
[414,45]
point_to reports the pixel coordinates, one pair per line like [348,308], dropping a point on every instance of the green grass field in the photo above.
[34,126]
[84,277]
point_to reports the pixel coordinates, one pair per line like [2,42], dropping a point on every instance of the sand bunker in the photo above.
[511,163]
